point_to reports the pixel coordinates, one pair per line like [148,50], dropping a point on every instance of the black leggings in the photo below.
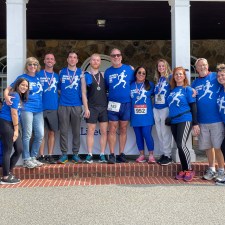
[181,133]
[6,133]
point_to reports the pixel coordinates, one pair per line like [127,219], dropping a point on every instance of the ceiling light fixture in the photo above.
[101,22]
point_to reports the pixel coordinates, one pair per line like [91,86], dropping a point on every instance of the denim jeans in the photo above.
[32,123]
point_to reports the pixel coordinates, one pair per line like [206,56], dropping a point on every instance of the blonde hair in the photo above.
[32,60]
[167,72]
[220,67]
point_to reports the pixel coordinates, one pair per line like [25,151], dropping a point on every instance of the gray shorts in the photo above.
[211,135]
[51,120]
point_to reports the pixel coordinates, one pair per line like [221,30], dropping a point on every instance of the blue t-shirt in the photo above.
[207,94]
[178,100]
[6,109]
[34,103]
[141,105]
[118,82]
[49,82]
[70,86]
[221,103]
[162,91]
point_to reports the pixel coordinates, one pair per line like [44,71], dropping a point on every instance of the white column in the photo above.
[180,23]
[16,38]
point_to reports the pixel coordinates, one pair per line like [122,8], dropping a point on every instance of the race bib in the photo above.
[140,109]
[114,106]
[159,99]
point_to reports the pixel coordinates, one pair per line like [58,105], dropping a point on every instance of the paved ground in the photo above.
[114,204]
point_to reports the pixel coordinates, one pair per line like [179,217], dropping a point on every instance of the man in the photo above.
[210,122]
[70,110]
[95,107]
[49,81]
[118,79]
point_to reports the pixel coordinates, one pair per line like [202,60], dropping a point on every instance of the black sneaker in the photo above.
[112,159]
[121,158]
[10,180]
[42,159]
[166,161]
[50,159]
[160,159]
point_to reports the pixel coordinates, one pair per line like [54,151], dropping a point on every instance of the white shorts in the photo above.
[211,135]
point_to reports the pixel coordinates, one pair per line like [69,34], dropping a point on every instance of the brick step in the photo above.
[131,169]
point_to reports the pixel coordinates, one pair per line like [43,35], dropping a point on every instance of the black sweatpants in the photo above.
[181,133]
[6,133]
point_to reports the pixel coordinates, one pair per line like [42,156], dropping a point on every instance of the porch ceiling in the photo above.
[76,19]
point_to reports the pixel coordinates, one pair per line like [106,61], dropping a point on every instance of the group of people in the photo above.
[45,102]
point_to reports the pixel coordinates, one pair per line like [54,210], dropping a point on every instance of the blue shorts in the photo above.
[122,115]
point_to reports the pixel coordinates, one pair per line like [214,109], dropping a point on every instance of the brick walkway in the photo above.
[104,174]
[106,181]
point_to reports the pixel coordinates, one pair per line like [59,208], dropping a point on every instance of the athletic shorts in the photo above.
[122,115]
[211,135]
[51,120]
[97,114]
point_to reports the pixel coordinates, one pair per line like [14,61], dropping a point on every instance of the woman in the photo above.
[161,110]
[221,105]
[182,111]
[31,114]
[142,113]
[9,123]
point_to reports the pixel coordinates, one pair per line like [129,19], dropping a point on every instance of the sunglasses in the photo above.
[115,55]
[139,72]
[32,64]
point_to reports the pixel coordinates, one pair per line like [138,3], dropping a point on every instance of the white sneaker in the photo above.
[29,164]
[36,162]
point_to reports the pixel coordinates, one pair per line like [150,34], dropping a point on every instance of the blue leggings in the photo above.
[144,133]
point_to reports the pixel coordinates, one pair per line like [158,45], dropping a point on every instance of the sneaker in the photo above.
[219,175]
[63,159]
[112,159]
[160,159]
[50,159]
[180,175]
[29,164]
[42,159]
[36,162]
[121,158]
[209,175]
[151,159]
[76,159]
[89,159]
[221,182]
[102,158]
[141,159]
[189,175]
[166,161]
[11,179]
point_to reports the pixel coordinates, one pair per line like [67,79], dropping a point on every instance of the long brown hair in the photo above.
[173,83]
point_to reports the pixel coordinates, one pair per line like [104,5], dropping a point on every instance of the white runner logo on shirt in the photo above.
[220,102]
[53,85]
[39,88]
[121,79]
[206,89]
[143,95]
[175,97]
[74,83]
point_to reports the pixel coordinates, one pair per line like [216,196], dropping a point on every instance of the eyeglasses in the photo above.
[32,64]
[143,73]
[115,55]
